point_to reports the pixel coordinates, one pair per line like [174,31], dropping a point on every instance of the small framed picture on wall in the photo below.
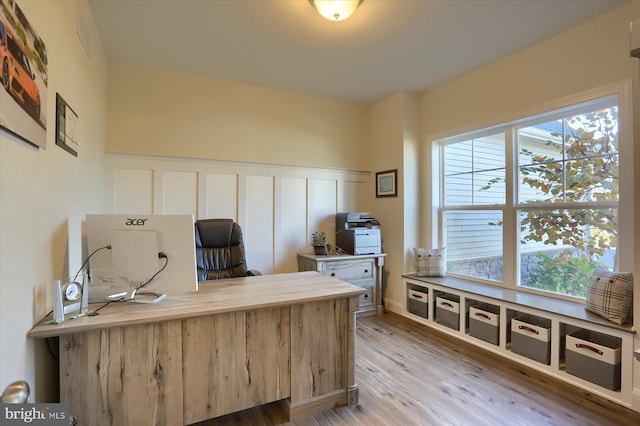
[66,121]
[386,183]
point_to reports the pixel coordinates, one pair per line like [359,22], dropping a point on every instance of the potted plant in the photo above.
[319,243]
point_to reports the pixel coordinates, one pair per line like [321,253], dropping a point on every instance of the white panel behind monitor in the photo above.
[175,239]
[135,254]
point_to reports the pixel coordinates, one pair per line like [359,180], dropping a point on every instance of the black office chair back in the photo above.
[219,249]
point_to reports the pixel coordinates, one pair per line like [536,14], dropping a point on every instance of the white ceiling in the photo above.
[386,47]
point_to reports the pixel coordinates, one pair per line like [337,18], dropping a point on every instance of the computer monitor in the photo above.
[134,256]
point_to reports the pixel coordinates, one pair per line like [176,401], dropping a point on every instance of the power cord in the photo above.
[95,312]
[75,278]
[161,255]
[87,260]
[50,341]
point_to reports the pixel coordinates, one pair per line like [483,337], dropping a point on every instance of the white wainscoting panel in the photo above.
[222,196]
[179,193]
[352,196]
[323,206]
[258,228]
[291,223]
[277,206]
[131,191]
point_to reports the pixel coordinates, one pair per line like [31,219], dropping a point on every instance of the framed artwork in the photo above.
[66,120]
[386,183]
[24,77]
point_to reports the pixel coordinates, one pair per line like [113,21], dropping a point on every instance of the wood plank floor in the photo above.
[409,374]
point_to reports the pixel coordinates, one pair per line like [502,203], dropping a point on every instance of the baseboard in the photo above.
[635,400]
[298,410]
[393,306]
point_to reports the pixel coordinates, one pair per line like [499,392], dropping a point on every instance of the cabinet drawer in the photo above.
[366,300]
[349,271]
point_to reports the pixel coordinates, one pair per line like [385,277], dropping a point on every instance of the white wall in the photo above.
[45,193]
[277,206]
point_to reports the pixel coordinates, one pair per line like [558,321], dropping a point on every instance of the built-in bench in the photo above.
[446,304]
[539,302]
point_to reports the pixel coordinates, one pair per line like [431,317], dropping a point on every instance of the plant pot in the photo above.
[320,250]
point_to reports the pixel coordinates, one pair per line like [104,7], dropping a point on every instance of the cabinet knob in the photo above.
[366,271]
[366,296]
[333,274]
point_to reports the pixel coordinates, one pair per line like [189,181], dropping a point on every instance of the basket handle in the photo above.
[589,347]
[529,329]
[446,304]
[483,315]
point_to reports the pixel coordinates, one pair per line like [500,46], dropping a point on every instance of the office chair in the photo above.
[220,250]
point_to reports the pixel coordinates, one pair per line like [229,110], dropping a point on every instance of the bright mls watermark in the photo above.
[35,414]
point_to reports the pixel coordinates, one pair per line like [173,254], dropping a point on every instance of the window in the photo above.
[474,191]
[534,203]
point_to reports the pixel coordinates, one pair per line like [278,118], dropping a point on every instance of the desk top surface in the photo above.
[213,297]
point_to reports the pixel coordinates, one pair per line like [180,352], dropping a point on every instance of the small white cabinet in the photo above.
[362,270]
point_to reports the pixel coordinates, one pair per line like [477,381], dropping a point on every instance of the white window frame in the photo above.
[619,92]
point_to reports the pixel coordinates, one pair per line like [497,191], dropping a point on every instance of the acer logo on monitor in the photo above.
[135,222]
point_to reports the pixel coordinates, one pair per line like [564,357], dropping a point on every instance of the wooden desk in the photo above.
[233,345]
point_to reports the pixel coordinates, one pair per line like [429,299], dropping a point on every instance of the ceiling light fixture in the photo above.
[335,10]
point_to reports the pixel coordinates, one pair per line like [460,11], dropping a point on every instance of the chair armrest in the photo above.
[253,273]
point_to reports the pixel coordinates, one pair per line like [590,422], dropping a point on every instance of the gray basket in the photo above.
[531,337]
[418,301]
[594,357]
[448,311]
[484,323]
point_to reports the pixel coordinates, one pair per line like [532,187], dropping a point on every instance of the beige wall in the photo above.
[395,129]
[586,57]
[387,130]
[45,193]
[167,113]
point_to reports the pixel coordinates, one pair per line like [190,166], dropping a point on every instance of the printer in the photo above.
[358,233]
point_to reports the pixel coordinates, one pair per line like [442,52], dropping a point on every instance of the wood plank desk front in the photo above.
[233,345]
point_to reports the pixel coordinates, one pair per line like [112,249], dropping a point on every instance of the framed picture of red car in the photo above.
[24,78]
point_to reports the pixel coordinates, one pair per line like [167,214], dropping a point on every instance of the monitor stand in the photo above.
[147,297]
[137,296]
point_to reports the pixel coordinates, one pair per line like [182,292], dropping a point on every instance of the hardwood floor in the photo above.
[409,374]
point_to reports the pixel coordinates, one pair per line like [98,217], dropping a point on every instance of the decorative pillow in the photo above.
[430,262]
[610,294]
